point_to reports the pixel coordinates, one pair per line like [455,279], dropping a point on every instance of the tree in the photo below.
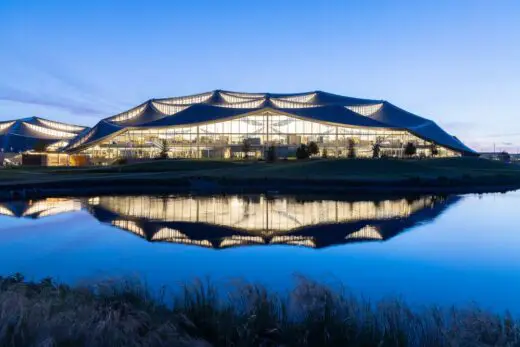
[313,148]
[376,150]
[40,146]
[302,152]
[271,154]
[246,147]
[163,147]
[351,148]
[324,153]
[410,149]
[434,151]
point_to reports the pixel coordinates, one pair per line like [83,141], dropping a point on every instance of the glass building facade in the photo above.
[227,125]
[261,130]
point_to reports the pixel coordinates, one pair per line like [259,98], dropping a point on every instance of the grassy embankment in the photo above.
[452,172]
[125,314]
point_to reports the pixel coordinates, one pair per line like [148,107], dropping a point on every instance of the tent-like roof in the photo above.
[221,104]
[26,133]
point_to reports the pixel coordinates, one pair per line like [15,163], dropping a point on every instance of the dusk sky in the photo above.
[455,62]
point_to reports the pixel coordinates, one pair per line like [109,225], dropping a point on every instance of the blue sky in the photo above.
[456,62]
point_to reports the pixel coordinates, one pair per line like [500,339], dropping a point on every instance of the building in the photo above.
[501,156]
[224,124]
[36,135]
[26,134]
[221,222]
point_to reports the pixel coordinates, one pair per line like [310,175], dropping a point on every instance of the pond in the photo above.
[426,249]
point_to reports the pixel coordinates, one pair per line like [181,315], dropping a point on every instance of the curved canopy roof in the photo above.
[27,133]
[221,104]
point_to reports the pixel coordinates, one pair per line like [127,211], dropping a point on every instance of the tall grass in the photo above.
[124,313]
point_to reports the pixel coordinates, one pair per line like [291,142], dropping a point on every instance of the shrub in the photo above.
[434,150]
[40,146]
[351,148]
[324,153]
[376,150]
[410,149]
[121,161]
[246,147]
[271,154]
[504,156]
[125,313]
[163,154]
[302,152]
[313,148]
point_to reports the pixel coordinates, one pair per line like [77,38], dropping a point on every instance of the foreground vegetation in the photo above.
[125,314]
[307,174]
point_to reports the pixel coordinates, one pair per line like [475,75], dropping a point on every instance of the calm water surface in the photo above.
[427,249]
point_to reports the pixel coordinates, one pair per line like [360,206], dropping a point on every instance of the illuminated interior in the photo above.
[259,215]
[217,125]
[268,128]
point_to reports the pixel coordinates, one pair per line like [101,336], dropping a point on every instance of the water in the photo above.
[427,249]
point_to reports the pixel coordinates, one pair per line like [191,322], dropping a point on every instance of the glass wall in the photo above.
[225,139]
[258,214]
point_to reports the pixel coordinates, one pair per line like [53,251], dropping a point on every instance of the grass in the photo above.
[416,173]
[124,313]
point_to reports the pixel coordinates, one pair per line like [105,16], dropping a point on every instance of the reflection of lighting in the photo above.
[175,236]
[241,240]
[6,211]
[369,233]
[130,226]
[203,243]
[281,214]
[58,210]
[51,207]
[306,241]
[165,234]
[93,201]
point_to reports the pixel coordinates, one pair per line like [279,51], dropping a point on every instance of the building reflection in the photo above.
[39,208]
[232,221]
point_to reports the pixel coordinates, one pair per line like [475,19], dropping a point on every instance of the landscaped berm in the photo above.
[311,175]
[125,313]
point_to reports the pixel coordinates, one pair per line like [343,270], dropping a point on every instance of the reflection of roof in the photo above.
[316,105]
[24,134]
[39,209]
[223,222]
[194,227]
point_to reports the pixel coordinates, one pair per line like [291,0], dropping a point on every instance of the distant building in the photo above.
[29,134]
[510,157]
[216,124]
